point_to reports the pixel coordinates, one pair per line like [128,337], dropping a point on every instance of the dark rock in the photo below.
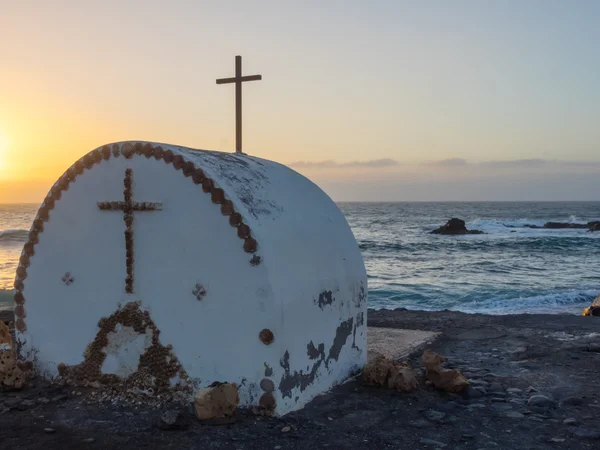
[454,227]
[572,401]
[501,406]
[448,406]
[514,415]
[540,403]
[432,443]
[475,392]
[571,421]
[585,433]
[563,225]
[49,430]
[173,420]
[481,383]
[496,388]
[420,423]
[433,415]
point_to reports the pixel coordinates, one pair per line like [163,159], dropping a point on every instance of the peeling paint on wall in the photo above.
[290,381]
[325,298]
[313,352]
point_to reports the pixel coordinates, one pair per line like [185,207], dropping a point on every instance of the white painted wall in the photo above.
[304,241]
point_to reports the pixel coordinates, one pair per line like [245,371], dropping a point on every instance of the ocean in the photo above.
[509,269]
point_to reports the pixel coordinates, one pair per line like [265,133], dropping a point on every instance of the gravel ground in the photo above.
[532,386]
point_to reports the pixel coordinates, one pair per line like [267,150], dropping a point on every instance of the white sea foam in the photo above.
[6,300]
[555,303]
[14,235]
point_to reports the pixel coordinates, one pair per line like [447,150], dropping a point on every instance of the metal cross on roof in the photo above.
[238,80]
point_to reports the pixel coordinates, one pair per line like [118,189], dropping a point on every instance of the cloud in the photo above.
[450,162]
[516,163]
[330,164]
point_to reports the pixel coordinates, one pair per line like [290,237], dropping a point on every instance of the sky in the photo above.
[374,101]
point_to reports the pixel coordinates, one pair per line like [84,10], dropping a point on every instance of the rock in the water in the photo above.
[455,226]
[562,225]
[593,309]
[173,420]
[449,380]
[220,400]
[540,403]
[571,421]
[391,374]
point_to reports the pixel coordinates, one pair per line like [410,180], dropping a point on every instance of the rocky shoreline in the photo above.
[532,385]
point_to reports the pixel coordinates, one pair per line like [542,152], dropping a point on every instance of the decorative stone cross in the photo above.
[238,80]
[128,207]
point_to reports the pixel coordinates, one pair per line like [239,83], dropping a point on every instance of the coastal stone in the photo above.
[11,376]
[571,421]
[173,420]
[495,387]
[476,405]
[433,415]
[88,440]
[420,423]
[432,443]
[540,403]
[391,374]
[455,227]
[585,433]
[5,337]
[49,430]
[514,415]
[446,379]
[216,402]
[498,400]
[572,401]
[561,391]
[501,406]
[448,406]
[514,391]
[472,392]
[482,383]
[593,309]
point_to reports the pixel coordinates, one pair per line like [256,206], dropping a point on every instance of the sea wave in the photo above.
[6,300]
[505,226]
[572,301]
[14,235]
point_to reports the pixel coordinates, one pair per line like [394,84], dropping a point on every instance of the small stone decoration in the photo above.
[199,291]
[68,279]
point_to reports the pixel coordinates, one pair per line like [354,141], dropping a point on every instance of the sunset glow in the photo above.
[346,84]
